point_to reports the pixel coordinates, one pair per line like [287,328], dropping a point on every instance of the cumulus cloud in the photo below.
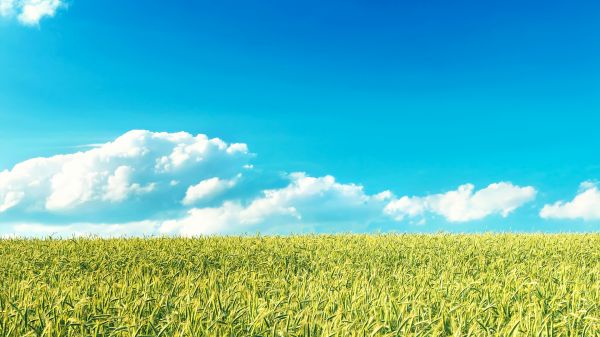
[158,183]
[464,204]
[208,188]
[138,166]
[29,12]
[305,204]
[585,205]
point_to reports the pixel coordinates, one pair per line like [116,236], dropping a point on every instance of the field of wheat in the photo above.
[339,285]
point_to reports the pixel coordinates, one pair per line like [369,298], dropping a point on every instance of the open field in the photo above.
[345,285]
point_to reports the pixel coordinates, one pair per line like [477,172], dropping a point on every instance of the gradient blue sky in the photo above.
[414,97]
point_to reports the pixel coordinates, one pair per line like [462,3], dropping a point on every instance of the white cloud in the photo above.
[32,11]
[407,207]
[29,12]
[11,199]
[151,183]
[7,7]
[585,205]
[139,165]
[208,188]
[306,204]
[138,228]
[464,204]
[119,185]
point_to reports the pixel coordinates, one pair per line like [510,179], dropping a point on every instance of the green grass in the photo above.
[346,285]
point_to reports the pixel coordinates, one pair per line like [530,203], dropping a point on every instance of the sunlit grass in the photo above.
[346,285]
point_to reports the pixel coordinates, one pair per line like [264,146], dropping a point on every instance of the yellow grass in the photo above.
[346,285]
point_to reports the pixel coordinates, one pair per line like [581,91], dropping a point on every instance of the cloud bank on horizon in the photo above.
[159,183]
[29,12]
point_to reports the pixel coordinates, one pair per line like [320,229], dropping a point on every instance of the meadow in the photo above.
[314,285]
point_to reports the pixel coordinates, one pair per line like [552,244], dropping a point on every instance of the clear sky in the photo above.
[416,98]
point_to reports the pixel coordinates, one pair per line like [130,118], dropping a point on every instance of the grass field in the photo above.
[346,285]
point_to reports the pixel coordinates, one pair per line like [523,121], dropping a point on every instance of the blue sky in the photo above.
[415,98]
